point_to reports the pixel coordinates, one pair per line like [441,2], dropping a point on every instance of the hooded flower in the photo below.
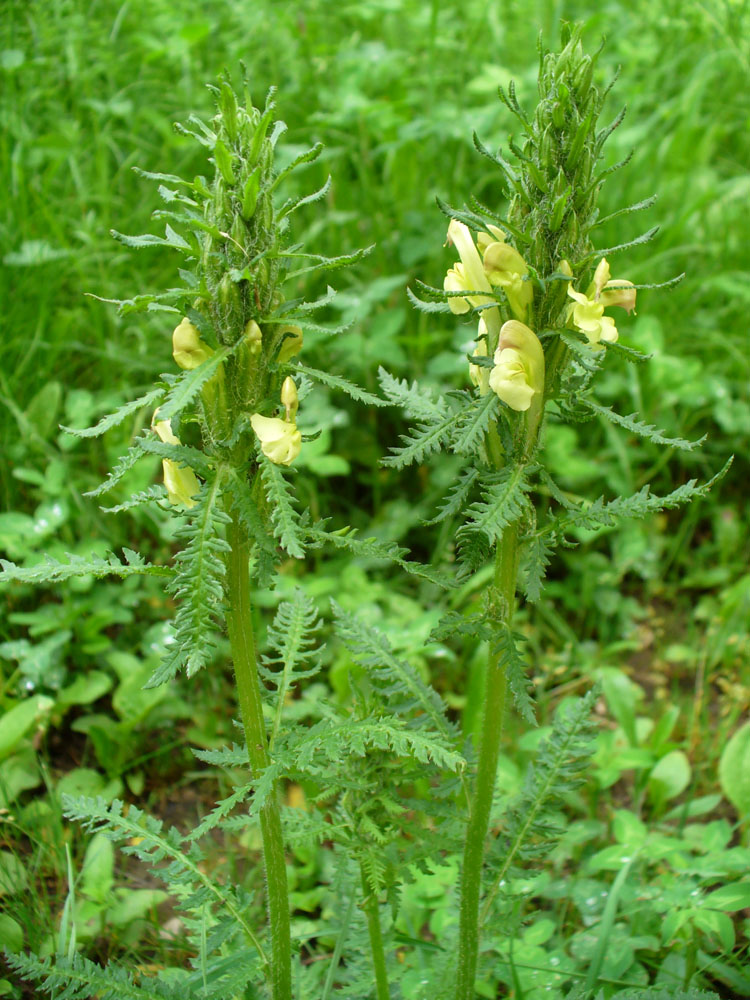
[280,441]
[469,275]
[188,350]
[518,375]
[181,482]
[506,268]
[588,311]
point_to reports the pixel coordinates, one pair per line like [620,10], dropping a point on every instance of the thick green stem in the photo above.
[506,566]
[370,906]
[240,627]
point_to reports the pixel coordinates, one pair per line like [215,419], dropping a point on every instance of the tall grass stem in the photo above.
[370,906]
[242,640]
[506,567]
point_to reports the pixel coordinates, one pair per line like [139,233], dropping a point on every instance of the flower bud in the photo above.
[583,75]
[223,159]
[291,344]
[280,441]
[250,194]
[188,350]
[289,398]
[181,482]
[253,338]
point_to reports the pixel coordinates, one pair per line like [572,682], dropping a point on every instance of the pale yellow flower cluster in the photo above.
[280,441]
[587,311]
[517,373]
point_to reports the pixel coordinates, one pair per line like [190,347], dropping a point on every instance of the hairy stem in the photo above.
[242,639]
[370,906]
[506,566]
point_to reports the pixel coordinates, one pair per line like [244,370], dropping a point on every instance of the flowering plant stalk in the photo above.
[225,426]
[540,295]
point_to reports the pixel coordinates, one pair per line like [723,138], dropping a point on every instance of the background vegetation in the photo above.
[658,612]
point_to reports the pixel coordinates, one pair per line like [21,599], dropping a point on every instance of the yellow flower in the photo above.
[467,275]
[291,345]
[588,311]
[518,375]
[509,379]
[181,482]
[613,292]
[188,350]
[280,441]
[506,268]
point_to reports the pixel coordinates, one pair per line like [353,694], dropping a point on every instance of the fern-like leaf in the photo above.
[535,558]
[505,646]
[294,653]
[559,768]
[605,514]
[145,837]
[197,586]
[455,500]
[123,465]
[187,385]
[54,571]
[416,401]
[113,419]
[421,442]
[471,423]
[337,382]
[80,979]
[504,498]
[373,548]
[284,517]
[398,680]
[182,454]
[644,430]
[153,494]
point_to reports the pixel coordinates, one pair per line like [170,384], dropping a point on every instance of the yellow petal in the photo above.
[484,239]
[472,270]
[619,292]
[188,350]
[509,379]
[280,441]
[181,482]
[164,429]
[501,259]
[454,282]
[601,276]
[291,345]
[253,337]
